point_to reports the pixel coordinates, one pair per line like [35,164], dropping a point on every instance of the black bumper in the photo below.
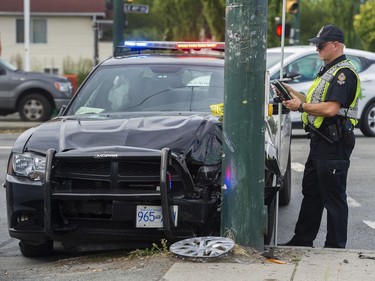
[95,205]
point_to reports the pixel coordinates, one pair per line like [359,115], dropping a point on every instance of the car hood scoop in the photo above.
[198,137]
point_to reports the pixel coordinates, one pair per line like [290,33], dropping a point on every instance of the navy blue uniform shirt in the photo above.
[342,87]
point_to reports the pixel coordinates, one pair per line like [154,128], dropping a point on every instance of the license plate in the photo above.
[152,217]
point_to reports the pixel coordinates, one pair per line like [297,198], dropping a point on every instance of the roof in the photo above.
[179,59]
[54,6]
[304,49]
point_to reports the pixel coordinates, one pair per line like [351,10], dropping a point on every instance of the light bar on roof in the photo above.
[140,45]
[199,45]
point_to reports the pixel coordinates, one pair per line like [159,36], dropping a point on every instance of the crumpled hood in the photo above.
[198,137]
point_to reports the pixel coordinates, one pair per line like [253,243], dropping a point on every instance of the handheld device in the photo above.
[284,94]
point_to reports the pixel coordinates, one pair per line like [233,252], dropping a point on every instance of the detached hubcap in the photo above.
[202,247]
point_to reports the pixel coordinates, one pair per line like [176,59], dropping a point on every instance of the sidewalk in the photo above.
[306,264]
[13,122]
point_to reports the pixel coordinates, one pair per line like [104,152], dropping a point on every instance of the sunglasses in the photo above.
[322,46]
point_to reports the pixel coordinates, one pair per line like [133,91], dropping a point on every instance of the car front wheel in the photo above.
[270,222]
[368,121]
[286,192]
[35,107]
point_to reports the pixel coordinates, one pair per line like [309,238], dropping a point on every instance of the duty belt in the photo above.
[331,133]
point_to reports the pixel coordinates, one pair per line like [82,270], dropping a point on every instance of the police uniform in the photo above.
[331,144]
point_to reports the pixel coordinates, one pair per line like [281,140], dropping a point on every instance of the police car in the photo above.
[136,155]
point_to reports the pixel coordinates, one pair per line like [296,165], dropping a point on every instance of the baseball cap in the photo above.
[328,33]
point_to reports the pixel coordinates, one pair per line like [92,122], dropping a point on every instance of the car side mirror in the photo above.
[2,71]
[291,76]
[62,109]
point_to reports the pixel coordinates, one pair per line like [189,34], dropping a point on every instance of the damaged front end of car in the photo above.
[126,194]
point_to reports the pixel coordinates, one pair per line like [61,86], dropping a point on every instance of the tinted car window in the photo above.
[150,88]
[274,58]
[356,61]
[307,67]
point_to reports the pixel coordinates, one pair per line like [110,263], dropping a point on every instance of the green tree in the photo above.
[214,13]
[364,25]
[313,16]
[179,19]
[342,14]
[143,26]
[186,19]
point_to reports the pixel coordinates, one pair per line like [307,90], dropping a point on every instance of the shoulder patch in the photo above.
[341,78]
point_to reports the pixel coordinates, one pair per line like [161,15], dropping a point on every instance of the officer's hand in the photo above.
[292,104]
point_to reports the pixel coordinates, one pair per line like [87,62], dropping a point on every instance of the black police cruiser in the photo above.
[135,157]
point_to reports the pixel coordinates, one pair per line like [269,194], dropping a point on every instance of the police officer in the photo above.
[329,112]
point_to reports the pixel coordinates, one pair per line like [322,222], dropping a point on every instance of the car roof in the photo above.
[158,58]
[304,49]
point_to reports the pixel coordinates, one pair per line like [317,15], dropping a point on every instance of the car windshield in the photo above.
[274,58]
[150,88]
[7,65]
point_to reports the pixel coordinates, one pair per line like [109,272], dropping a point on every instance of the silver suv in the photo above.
[34,95]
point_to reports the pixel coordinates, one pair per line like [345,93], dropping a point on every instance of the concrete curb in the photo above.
[312,264]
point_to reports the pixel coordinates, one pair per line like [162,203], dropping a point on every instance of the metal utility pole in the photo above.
[243,214]
[118,22]
[26,21]
[95,26]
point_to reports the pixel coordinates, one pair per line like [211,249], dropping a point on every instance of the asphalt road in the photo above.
[82,266]
[360,190]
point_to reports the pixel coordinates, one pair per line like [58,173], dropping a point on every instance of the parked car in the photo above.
[303,63]
[34,95]
[135,157]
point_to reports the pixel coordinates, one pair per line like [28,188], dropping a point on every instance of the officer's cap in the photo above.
[328,33]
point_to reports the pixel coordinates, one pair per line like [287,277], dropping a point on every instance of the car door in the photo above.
[4,83]
[307,68]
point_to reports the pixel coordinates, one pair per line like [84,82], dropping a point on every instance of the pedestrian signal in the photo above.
[279,30]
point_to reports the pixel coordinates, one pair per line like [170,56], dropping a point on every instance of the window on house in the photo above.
[38,31]
[51,70]
[105,32]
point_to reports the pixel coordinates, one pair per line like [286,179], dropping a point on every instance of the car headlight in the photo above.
[63,86]
[29,165]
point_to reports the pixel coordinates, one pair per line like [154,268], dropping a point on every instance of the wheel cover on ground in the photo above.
[202,247]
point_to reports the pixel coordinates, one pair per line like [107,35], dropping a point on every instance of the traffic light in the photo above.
[292,6]
[279,29]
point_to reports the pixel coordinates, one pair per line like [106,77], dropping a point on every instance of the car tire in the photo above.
[286,192]
[29,249]
[271,208]
[367,126]
[35,107]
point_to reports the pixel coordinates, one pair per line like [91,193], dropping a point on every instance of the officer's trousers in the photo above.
[324,186]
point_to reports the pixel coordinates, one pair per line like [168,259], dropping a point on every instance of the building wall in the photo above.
[69,39]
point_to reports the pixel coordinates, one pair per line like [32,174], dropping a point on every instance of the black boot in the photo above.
[298,242]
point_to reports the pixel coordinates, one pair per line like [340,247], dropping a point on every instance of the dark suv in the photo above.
[33,95]
[135,157]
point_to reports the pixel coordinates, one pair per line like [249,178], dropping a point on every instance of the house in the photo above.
[63,34]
